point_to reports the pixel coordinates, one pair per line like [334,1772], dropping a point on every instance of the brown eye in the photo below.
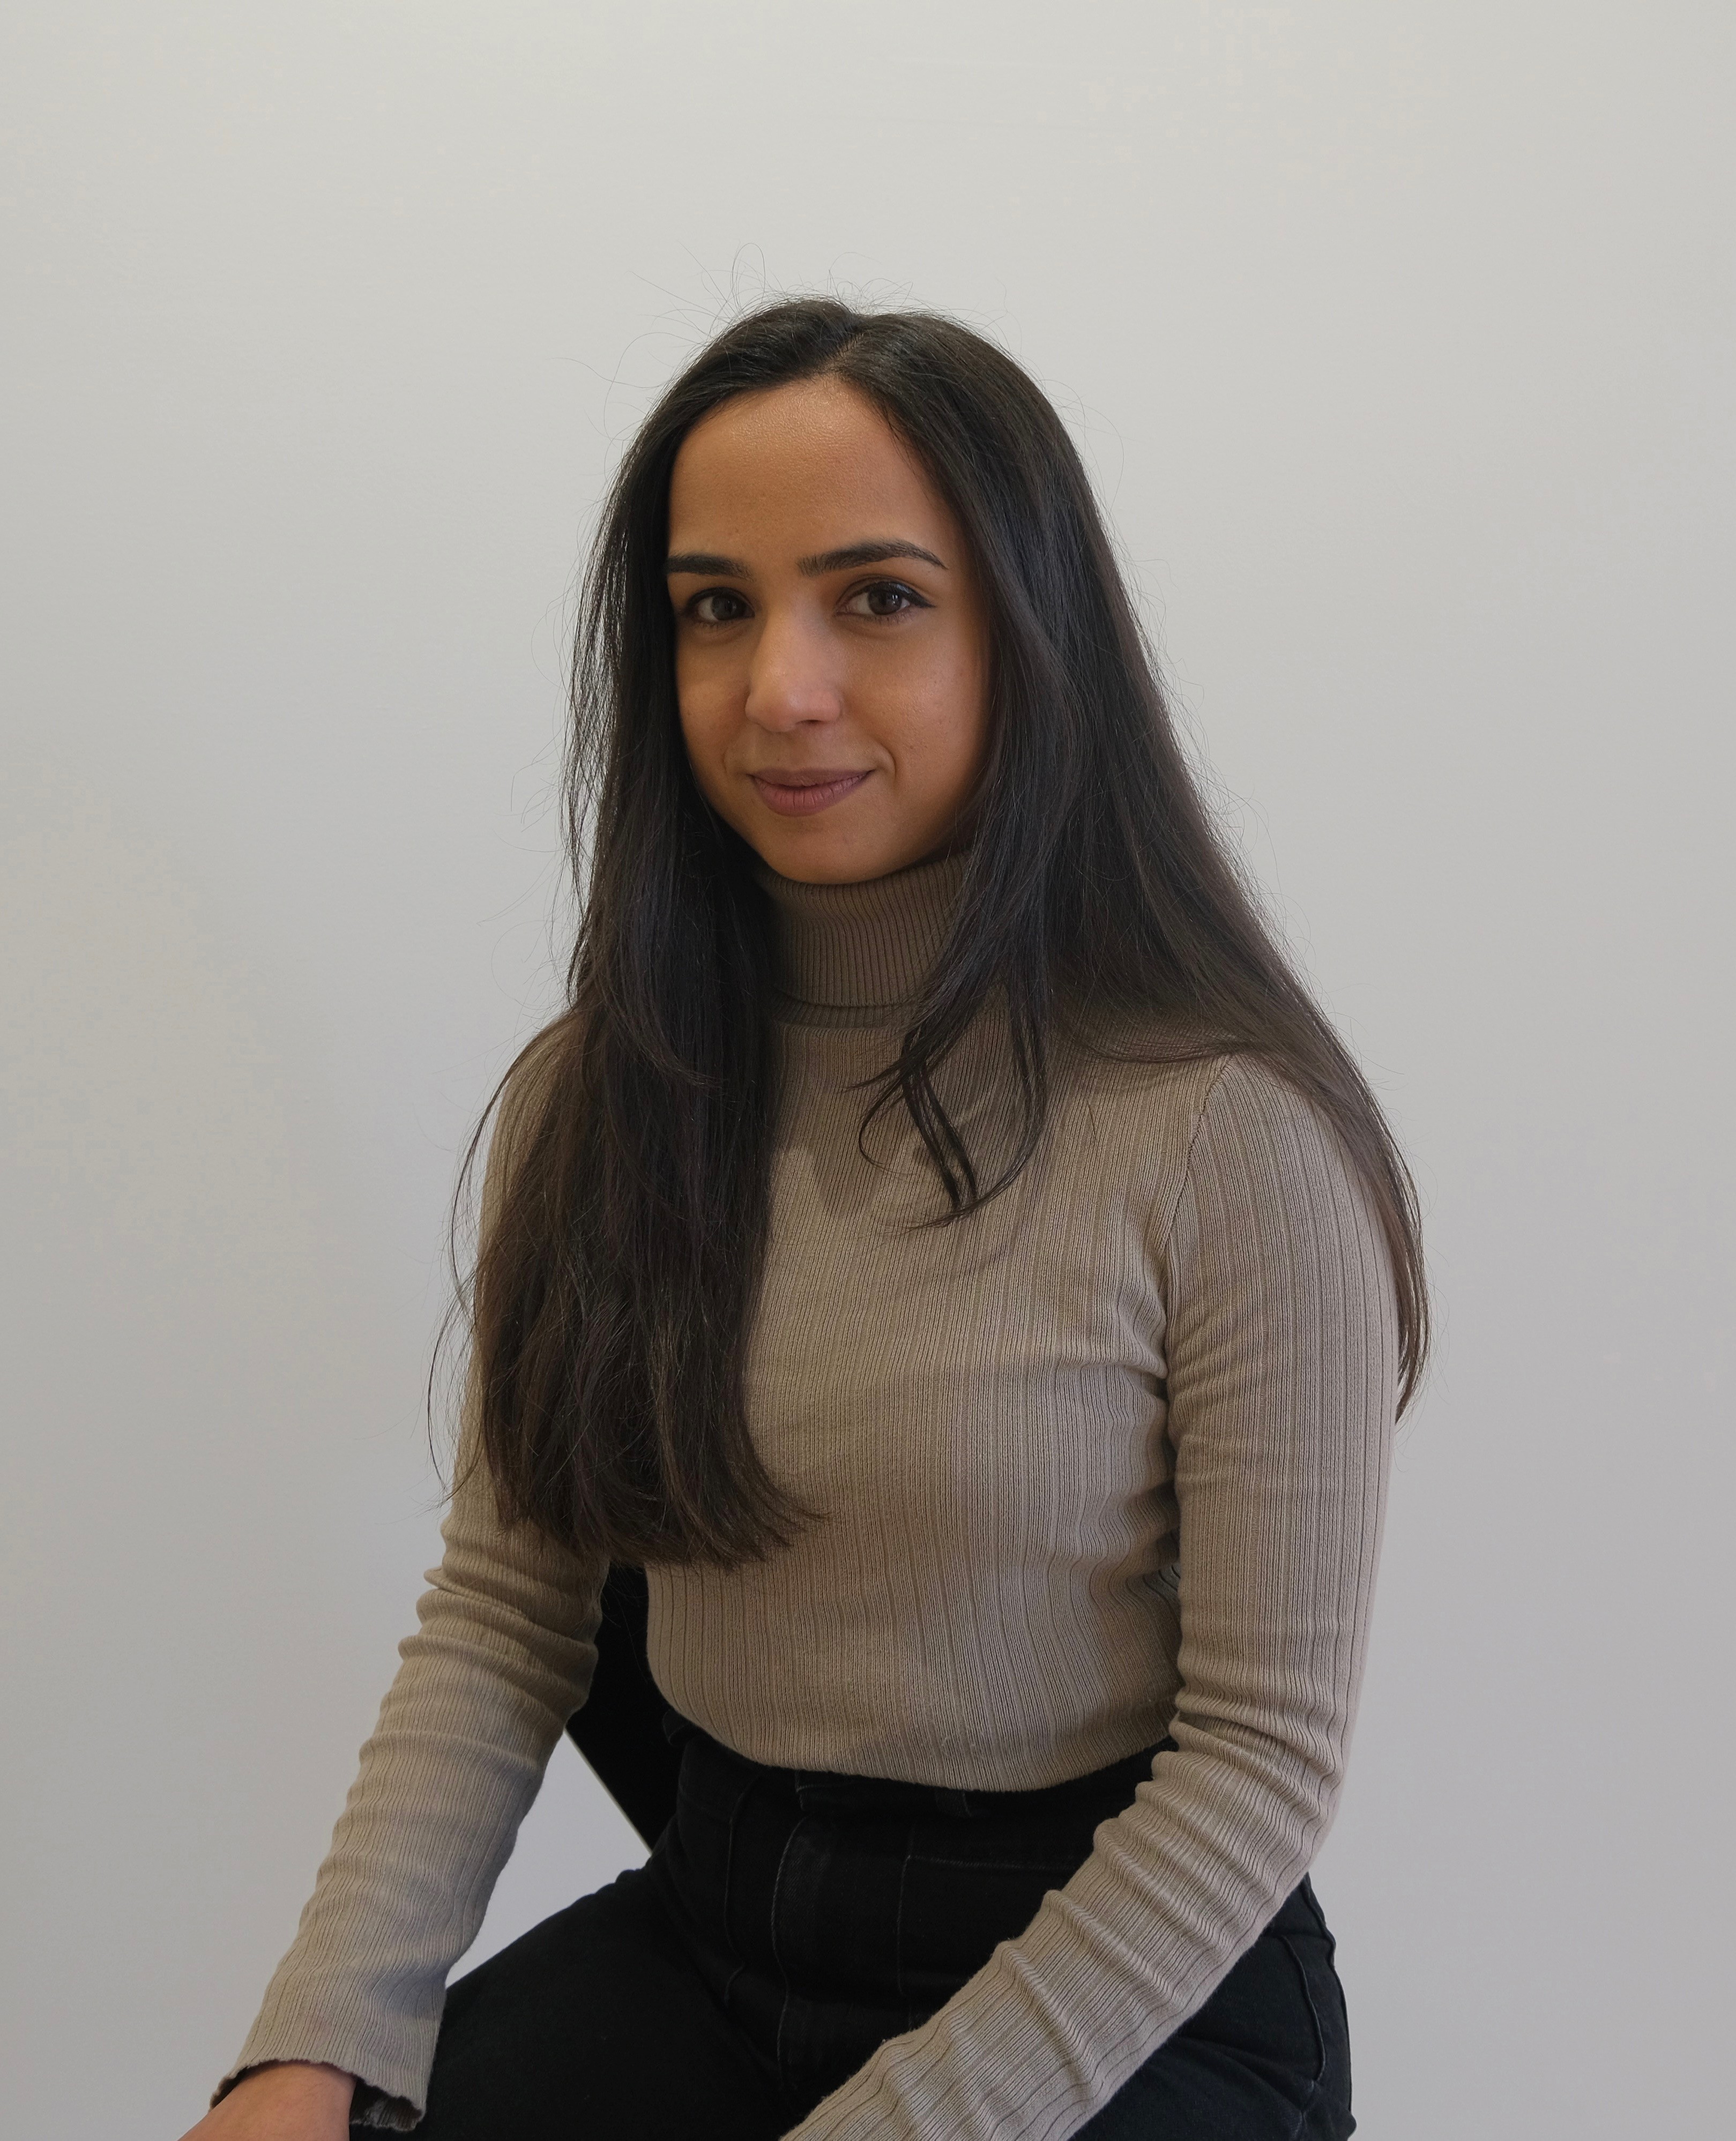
[884,598]
[718,606]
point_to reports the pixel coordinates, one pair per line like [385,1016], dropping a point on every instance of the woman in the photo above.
[942,1244]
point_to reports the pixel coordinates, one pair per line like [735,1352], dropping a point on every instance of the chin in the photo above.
[814,869]
[833,862]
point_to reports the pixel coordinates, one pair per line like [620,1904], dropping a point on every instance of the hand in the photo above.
[294,2101]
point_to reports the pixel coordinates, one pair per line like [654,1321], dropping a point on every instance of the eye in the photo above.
[719,606]
[884,599]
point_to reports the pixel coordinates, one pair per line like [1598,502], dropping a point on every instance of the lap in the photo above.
[596,2026]
[1266,2059]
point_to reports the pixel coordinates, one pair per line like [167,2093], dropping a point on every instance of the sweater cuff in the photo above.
[391,2085]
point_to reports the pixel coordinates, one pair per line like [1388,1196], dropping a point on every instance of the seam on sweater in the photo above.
[1165,1239]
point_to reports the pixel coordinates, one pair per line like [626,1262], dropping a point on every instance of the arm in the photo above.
[1280,1352]
[502,1658]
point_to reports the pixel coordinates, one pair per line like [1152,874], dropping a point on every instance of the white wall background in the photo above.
[1401,338]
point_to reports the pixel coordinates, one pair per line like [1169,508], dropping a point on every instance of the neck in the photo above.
[859,954]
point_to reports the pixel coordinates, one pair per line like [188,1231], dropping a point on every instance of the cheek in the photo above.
[698,701]
[706,730]
[951,731]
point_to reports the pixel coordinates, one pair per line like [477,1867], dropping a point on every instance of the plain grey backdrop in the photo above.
[1400,339]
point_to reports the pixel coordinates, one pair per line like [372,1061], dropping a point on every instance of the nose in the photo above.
[792,679]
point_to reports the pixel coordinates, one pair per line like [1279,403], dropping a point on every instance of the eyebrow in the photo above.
[823,561]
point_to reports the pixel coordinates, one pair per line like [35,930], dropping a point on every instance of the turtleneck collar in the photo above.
[858,954]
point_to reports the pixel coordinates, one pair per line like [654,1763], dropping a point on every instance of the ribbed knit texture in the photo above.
[1103,1462]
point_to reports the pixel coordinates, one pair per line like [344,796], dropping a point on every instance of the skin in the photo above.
[804,652]
[293,2102]
[798,661]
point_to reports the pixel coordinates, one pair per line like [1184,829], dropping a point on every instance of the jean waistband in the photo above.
[703,1757]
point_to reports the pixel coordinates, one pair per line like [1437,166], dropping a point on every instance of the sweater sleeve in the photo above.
[1280,1351]
[502,1657]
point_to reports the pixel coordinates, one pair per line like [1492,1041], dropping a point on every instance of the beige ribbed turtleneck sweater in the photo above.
[1104,1462]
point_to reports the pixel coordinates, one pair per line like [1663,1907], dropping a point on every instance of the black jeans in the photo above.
[788,1921]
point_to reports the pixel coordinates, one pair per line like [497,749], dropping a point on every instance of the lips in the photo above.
[793,794]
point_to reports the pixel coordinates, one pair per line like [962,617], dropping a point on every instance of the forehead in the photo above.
[811,466]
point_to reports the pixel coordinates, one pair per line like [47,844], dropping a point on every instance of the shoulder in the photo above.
[1216,1134]
[1271,1187]
[1176,1091]
[522,1103]
[529,1085]
[1250,1105]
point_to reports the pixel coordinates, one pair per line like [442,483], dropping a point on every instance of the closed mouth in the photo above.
[797,792]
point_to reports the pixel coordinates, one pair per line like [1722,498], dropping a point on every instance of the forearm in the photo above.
[501,1660]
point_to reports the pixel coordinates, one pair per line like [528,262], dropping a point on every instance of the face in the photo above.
[829,638]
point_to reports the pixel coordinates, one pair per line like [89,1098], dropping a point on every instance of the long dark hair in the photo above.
[618,1271]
